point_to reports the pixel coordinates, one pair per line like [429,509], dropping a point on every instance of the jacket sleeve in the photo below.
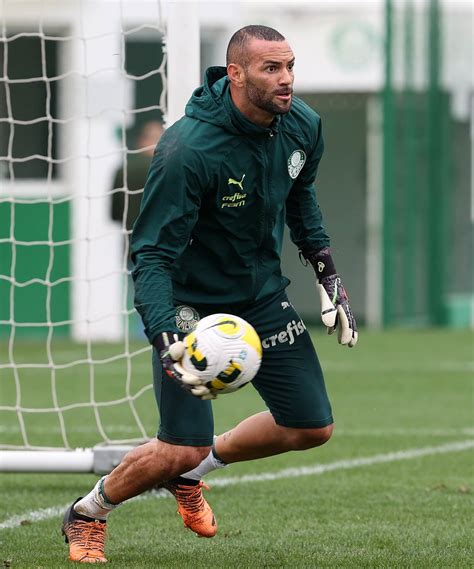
[169,211]
[303,214]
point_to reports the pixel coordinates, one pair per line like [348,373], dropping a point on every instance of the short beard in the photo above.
[263,101]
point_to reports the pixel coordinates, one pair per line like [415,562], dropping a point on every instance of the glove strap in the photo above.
[164,340]
[321,261]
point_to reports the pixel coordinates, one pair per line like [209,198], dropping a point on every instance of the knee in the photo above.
[309,438]
[158,456]
[193,457]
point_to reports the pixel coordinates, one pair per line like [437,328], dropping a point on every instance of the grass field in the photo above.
[393,488]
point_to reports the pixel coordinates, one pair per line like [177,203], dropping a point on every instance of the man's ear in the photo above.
[236,74]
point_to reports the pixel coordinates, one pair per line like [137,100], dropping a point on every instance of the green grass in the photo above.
[396,391]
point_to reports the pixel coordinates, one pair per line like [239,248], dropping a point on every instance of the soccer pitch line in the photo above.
[339,431]
[409,454]
[344,464]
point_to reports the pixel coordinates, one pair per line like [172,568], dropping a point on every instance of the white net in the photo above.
[82,95]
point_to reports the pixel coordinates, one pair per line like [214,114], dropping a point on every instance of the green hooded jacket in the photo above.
[218,193]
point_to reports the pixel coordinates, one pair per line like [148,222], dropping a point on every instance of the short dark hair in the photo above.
[238,42]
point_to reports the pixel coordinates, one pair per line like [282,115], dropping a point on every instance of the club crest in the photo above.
[295,163]
[187,318]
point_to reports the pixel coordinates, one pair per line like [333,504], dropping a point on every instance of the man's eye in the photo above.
[271,68]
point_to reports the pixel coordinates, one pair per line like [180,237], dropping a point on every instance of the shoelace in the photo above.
[191,498]
[90,535]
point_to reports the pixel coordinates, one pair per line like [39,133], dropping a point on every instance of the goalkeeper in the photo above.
[223,182]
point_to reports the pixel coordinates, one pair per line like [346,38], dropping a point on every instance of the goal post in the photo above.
[99,460]
[75,369]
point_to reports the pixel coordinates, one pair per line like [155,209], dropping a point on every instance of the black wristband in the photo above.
[321,261]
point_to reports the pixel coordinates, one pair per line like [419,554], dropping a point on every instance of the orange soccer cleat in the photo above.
[196,513]
[86,537]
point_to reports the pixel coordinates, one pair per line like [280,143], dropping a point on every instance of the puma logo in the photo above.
[236,182]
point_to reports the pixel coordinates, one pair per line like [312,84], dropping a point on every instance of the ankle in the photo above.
[95,505]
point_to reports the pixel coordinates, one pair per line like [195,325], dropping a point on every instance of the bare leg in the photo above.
[150,464]
[259,436]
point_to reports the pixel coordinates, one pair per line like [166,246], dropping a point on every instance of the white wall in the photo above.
[339,44]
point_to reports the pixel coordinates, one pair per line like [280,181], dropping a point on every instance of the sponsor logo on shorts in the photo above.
[289,334]
[186,318]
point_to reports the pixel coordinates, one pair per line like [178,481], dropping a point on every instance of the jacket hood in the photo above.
[212,103]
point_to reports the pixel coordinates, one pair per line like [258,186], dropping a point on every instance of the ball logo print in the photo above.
[228,328]
[224,351]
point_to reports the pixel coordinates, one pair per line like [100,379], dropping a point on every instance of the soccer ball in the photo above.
[224,351]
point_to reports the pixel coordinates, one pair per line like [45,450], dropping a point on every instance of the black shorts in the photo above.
[290,379]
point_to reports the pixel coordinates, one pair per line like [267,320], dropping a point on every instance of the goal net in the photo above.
[83,96]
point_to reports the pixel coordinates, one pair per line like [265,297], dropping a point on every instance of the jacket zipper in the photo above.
[266,178]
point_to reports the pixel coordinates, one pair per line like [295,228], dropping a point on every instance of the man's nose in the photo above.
[286,77]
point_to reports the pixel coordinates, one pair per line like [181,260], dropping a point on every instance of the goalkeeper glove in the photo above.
[336,312]
[171,351]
